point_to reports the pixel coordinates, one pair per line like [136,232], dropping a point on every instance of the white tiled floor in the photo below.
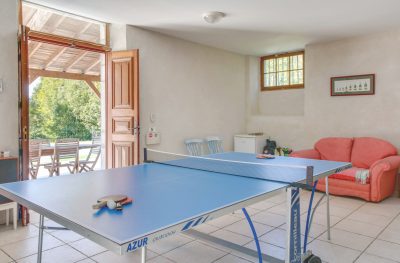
[361,232]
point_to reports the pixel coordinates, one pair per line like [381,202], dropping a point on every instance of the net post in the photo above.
[145,155]
[310,176]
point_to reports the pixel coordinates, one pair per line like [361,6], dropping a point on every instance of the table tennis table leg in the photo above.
[40,242]
[143,256]
[328,213]
[293,248]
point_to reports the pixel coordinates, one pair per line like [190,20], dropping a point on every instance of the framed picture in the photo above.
[353,85]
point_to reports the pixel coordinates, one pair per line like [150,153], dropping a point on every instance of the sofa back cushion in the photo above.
[335,148]
[367,150]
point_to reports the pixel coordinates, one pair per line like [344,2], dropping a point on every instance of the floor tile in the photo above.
[232,237]
[62,254]
[250,211]
[270,219]
[391,234]
[170,243]
[9,235]
[263,205]
[86,260]
[268,249]
[367,258]
[316,229]
[223,221]
[359,227]
[87,247]
[108,256]
[160,259]
[321,219]
[333,253]
[388,210]
[196,252]
[369,218]
[278,199]
[334,210]
[243,228]
[279,209]
[4,258]
[29,246]
[231,259]
[276,237]
[385,250]
[346,202]
[347,239]
[205,228]
[66,236]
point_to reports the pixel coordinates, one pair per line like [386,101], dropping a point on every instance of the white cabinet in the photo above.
[249,143]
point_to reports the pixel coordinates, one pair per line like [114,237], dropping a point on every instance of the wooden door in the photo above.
[23,111]
[122,110]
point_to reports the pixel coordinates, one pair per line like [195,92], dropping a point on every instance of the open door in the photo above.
[122,110]
[23,111]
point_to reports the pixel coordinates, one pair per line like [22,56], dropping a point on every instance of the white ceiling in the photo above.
[253,27]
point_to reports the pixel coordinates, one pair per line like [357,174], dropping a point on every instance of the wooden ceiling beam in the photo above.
[54,57]
[75,60]
[40,20]
[67,42]
[91,66]
[62,75]
[93,88]
[33,50]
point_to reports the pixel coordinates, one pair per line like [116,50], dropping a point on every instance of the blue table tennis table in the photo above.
[172,195]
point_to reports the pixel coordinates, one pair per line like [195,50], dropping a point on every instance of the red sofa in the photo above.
[379,156]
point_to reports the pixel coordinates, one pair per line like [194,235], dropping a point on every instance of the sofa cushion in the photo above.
[367,150]
[348,174]
[335,149]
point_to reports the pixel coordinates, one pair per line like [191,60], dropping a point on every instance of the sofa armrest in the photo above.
[386,164]
[310,154]
[383,177]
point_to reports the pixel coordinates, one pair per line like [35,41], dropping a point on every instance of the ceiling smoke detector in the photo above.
[213,17]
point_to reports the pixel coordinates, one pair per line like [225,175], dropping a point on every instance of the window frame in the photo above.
[283,87]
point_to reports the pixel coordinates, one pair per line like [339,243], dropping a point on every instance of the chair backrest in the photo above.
[95,150]
[35,150]
[214,144]
[66,149]
[194,146]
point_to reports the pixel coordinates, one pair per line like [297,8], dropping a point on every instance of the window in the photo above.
[285,71]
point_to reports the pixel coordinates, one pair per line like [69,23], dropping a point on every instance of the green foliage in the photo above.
[61,108]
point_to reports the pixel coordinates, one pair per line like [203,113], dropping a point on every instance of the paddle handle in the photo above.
[99,205]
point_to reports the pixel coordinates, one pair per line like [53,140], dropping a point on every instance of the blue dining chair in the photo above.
[194,146]
[214,144]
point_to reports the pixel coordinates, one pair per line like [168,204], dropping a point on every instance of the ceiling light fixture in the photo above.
[213,17]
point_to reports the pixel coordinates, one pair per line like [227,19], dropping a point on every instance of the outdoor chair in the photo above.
[66,154]
[214,144]
[194,146]
[94,154]
[35,154]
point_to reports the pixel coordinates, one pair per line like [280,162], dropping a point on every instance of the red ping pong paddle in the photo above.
[101,202]
[122,203]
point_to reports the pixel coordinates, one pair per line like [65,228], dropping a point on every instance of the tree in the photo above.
[62,108]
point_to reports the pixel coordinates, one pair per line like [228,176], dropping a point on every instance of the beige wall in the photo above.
[9,75]
[377,115]
[193,90]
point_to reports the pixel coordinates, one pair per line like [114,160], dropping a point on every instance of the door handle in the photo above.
[25,133]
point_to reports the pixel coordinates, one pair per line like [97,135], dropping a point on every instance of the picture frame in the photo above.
[353,85]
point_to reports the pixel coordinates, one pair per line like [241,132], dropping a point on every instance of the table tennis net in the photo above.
[265,171]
